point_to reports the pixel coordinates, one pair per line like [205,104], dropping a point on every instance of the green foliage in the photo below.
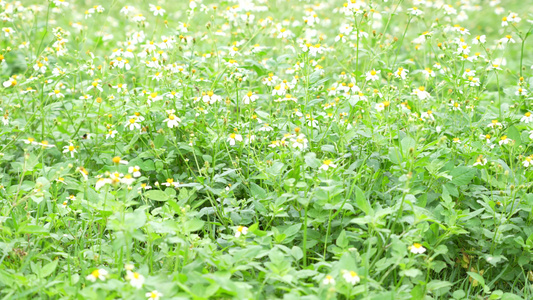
[266,150]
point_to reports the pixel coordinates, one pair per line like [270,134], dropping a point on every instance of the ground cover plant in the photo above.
[266,149]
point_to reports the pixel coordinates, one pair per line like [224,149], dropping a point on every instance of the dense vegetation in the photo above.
[266,149]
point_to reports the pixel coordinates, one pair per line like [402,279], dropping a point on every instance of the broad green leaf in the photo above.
[257,191]
[362,202]
[297,253]
[311,160]
[342,240]
[411,273]
[193,225]
[477,277]
[157,195]
[514,135]
[49,268]
[159,141]
[407,144]
[462,175]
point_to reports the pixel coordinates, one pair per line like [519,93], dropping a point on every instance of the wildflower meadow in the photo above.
[266,149]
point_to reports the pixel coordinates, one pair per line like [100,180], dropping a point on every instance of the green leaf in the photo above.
[417,292]
[275,169]
[407,143]
[311,160]
[157,195]
[438,284]
[495,259]
[460,294]
[33,229]
[159,141]
[193,225]
[342,241]
[514,135]
[297,253]
[257,191]
[509,296]
[132,143]
[462,175]
[328,148]
[48,268]
[362,202]
[395,155]
[477,277]
[255,230]
[411,273]
[292,230]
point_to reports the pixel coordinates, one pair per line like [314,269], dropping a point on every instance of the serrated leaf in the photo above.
[462,175]
[257,191]
[159,141]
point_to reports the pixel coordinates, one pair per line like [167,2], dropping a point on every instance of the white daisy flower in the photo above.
[417,248]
